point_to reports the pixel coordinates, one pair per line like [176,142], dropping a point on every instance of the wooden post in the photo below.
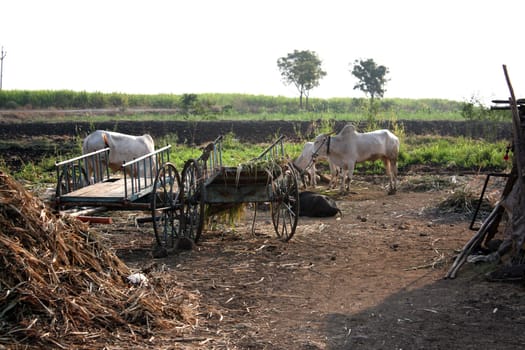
[2,56]
[518,219]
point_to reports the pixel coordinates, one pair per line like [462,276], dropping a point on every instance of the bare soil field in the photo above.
[371,279]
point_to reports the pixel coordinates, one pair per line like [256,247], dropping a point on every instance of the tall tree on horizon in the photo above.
[303,69]
[371,78]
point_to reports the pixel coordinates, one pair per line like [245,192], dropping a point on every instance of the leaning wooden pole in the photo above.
[519,145]
[472,243]
[516,210]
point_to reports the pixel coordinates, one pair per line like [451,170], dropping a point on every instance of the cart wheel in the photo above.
[285,203]
[193,203]
[71,178]
[165,206]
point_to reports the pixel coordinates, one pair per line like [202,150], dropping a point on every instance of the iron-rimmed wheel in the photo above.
[193,203]
[285,202]
[165,206]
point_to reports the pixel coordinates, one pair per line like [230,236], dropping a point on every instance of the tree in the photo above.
[371,78]
[189,103]
[303,69]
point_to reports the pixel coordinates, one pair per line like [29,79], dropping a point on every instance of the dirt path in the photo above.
[372,279]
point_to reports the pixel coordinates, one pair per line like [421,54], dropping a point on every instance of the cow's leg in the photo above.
[333,175]
[339,175]
[304,180]
[345,181]
[389,167]
[90,173]
[313,180]
[350,171]
[386,164]
[393,169]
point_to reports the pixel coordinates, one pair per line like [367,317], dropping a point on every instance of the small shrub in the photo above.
[11,105]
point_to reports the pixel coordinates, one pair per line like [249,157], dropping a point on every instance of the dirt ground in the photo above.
[371,279]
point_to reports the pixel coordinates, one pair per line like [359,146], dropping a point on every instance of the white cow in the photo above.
[306,162]
[349,147]
[123,148]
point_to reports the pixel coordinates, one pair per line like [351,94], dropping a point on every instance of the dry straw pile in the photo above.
[60,287]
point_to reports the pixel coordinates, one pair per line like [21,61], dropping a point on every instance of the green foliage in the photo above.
[302,69]
[231,106]
[371,77]
[397,128]
[371,80]
[37,173]
[447,153]
[189,103]
[454,153]
[475,110]
[11,105]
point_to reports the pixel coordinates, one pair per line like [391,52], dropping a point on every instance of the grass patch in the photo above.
[453,153]
[446,154]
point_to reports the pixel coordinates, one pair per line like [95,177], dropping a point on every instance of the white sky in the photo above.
[451,49]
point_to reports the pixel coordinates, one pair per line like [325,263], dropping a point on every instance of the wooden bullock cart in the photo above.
[178,201]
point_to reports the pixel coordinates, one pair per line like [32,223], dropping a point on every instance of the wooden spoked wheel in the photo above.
[165,206]
[193,203]
[285,202]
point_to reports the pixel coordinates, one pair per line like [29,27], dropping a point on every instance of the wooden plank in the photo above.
[101,189]
[95,219]
[86,211]
[109,190]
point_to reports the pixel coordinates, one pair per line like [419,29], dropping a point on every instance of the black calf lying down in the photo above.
[316,205]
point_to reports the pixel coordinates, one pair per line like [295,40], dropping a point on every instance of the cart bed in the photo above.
[109,192]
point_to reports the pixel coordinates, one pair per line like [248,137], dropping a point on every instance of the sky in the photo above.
[447,49]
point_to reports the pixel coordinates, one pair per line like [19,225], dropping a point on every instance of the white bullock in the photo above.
[349,147]
[306,163]
[123,148]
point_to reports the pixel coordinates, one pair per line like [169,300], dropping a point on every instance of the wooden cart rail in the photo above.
[139,174]
[211,159]
[71,174]
[208,186]
[273,152]
[242,184]
[75,188]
